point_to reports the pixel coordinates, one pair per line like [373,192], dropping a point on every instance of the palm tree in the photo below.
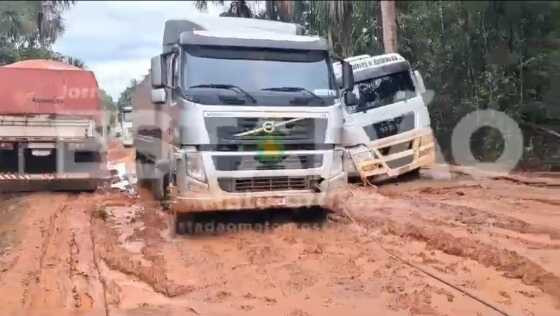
[237,8]
[332,19]
[49,20]
[285,9]
[340,26]
[28,29]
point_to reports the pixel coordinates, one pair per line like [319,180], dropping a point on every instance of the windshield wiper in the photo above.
[296,89]
[231,87]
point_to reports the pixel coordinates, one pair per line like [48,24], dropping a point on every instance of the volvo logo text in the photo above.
[268,127]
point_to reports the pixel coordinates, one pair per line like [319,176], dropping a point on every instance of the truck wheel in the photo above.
[411,175]
[181,227]
[159,187]
[140,173]
[184,224]
[144,171]
[172,225]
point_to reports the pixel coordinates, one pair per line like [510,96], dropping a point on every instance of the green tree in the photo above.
[125,99]
[237,8]
[29,28]
[109,107]
[484,54]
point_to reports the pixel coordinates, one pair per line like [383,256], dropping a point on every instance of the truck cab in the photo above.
[246,115]
[387,133]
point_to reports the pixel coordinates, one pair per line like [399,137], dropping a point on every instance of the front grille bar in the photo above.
[267,184]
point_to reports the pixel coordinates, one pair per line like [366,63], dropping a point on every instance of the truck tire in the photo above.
[159,187]
[184,224]
[411,175]
[172,225]
[140,174]
[144,171]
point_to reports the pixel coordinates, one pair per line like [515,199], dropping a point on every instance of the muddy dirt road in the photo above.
[407,248]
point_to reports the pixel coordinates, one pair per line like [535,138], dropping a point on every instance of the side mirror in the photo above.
[158,96]
[156,72]
[350,99]
[347,76]
[419,83]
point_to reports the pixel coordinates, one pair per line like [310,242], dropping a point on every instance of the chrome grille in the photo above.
[390,127]
[264,184]
[285,162]
[249,130]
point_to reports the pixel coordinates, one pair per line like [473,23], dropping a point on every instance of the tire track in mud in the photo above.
[416,227]
[34,290]
[441,199]
[544,183]
[54,275]
[149,268]
[101,278]
[511,263]
[471,215]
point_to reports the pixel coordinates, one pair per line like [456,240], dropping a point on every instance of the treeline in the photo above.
[28,29]
[501,55]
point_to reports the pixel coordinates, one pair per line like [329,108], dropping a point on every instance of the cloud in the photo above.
[117,39]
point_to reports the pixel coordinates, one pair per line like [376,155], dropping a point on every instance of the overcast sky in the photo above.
[117,39]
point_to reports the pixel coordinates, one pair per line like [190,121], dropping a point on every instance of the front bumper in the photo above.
[417,150]
[206,201]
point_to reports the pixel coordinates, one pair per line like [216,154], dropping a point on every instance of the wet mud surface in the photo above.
[107,253]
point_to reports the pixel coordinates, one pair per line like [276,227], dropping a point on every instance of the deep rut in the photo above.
[55,273]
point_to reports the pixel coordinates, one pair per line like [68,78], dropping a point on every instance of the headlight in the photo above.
[194,165]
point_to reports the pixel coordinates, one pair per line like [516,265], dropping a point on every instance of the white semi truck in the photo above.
[245,114]
[388,132]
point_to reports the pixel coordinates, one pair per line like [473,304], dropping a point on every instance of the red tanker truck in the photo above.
[51,128]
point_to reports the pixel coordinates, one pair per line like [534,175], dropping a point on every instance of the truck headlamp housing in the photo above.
[194,164]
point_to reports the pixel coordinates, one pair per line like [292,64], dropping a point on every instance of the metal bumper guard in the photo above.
[419,150]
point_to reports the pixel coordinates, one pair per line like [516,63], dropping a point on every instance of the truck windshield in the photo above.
[384,90]
[257,76]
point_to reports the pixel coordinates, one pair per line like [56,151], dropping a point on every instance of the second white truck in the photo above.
[388,132]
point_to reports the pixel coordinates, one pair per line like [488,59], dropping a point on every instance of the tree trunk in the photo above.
[389,19]
[346,34]
[285,10]
[271,12]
